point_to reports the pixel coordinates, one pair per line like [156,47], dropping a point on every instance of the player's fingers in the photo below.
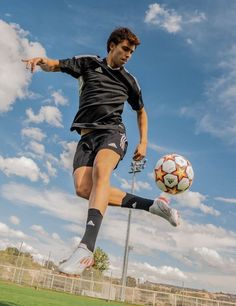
[87,261]
[28,64]
[138,157]
[33,65]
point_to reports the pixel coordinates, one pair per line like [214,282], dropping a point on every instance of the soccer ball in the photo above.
[173,174]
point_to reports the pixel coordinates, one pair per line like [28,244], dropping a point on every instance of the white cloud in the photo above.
[140,185]
[25,247]
[56,236]
[196,17]
[164,271]
[148,272]
[218,282]
[51,170]
[5,242]
[189,41]
[195,200]
[149,234]
[6,231]
[158,149]
[66,157]
[34,133]
[14,220]
[23,167]
[216,115]
[58,98]
[169,19]
[74,228]
[14,46]
[37,148]
[49,114]
[39,230]
[53,202]
[211,257]
[127,184]
[226,200]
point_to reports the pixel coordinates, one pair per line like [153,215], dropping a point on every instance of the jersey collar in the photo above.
[114,69]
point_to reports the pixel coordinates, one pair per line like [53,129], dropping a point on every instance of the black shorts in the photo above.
[94,141]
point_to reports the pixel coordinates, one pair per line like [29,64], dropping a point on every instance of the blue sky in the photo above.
[186,69]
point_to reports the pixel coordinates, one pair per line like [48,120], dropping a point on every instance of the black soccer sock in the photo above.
[93,224]
[133,201]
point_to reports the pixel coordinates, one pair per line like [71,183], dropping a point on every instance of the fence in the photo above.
[105,290]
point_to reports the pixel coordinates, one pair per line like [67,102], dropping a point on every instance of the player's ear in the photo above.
[112,46]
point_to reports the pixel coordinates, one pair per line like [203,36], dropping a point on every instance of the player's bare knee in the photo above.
[101,173]
[83,191]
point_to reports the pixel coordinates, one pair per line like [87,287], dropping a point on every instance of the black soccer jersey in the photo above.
[103,91]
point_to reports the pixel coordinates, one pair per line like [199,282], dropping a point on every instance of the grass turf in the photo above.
[14,295]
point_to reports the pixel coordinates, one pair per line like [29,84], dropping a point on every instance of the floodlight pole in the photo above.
[136,166]
[17,259]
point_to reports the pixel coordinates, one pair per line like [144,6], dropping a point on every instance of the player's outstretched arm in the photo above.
[140,151]
[46,64]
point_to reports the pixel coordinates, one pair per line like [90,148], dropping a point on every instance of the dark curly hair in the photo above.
[120,34]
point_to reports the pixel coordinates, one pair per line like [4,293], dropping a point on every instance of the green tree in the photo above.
[11,251]
[49,264]
[101,260]
[131,281]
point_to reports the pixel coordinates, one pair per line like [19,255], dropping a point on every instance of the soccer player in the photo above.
[104,86]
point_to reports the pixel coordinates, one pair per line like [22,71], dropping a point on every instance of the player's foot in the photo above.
[161,208]
[81,259]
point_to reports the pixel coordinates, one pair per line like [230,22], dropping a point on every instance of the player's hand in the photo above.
[140,151]
[33,62]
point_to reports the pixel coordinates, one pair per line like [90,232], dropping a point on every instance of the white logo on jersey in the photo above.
[99,69]
[112,145]
[123,140]
[134,204]
[91,223]
[81,84]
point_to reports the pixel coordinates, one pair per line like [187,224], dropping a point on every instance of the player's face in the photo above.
[121,53]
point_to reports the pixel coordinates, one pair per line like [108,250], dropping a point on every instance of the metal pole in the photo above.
[110,287]
[126,252]
[49,258]
[17,259]
[136,166]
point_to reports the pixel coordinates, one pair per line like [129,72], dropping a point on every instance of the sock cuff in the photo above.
[94,212]
[128,199]
[136,202]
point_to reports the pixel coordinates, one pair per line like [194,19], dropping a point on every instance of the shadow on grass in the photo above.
[2,303]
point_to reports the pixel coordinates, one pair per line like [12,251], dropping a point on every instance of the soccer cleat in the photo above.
[81,259]
[161,208]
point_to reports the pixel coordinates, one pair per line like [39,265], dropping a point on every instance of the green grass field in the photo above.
[14,295]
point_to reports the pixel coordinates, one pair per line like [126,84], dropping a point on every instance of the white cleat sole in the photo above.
[161,208]
[81,259]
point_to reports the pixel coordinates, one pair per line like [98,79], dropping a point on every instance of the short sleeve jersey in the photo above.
[103,92]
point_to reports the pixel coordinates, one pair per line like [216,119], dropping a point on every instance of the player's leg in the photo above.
[83,185]
[83,181]
[105,161]
[117,197]
[159,206]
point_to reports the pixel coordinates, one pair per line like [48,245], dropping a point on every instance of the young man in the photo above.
[104,87]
